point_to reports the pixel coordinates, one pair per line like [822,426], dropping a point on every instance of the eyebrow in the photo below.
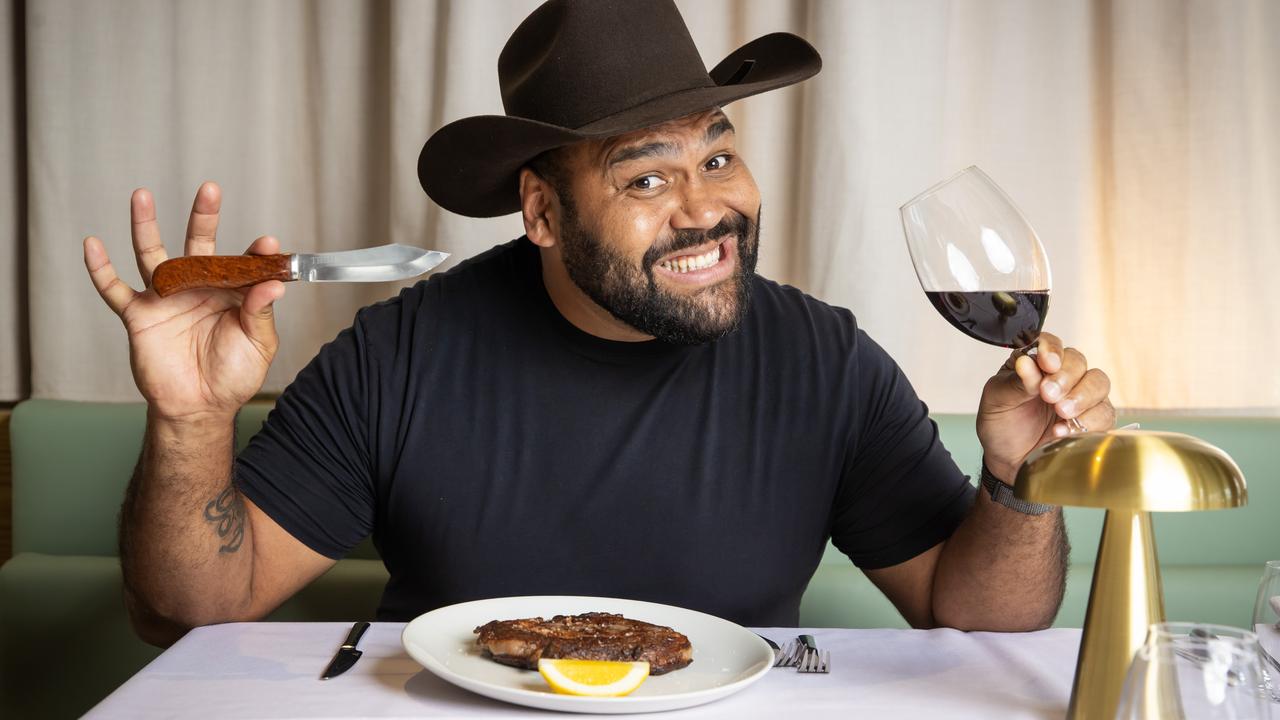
[636,152]
[655,149]
[717,129]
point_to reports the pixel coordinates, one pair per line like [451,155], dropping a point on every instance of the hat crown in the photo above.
[573,62]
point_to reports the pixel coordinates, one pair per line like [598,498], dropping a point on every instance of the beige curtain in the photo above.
[14,373]
[1139,136]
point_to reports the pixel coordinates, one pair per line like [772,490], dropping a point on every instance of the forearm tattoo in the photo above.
[227,513]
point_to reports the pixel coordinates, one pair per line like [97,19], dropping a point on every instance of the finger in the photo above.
[1049,353]
[257,314]
[113,290]
[1100,417]
[147,248]
[1092,389]
[202,226]
[265,245]
[1059,384]
[1027,375]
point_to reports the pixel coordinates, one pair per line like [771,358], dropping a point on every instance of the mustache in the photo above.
[733,223]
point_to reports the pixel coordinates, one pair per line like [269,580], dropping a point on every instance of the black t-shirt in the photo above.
[493,449]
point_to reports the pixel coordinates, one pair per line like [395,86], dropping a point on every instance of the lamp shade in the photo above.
[1134,470]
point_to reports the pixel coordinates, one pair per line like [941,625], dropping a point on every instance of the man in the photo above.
[616,405]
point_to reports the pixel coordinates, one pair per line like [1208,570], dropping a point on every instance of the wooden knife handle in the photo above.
[218,271]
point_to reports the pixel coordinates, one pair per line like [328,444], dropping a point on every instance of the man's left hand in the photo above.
[1029,400]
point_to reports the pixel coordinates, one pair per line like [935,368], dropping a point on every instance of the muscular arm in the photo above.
[1001,570]
[1024,558]
[194,551]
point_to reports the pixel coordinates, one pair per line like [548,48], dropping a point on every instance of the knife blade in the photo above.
[376,264]
[347,655]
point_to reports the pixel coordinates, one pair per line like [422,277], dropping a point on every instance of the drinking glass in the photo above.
[1193,670]
[1266,624]
[979,261]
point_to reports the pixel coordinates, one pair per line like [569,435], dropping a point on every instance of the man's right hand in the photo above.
[197,354]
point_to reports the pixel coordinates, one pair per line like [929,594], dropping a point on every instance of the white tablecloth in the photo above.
[270,670]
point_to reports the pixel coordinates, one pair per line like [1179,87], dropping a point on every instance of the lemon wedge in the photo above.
[596,678]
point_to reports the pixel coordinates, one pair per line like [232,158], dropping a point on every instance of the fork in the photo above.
[789,656]
[816,662]
[813,661]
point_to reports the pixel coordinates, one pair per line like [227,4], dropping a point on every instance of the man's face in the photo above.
[660,227]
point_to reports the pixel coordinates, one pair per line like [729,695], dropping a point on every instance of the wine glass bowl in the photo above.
[1193,670]
[978,260]
[1266,624]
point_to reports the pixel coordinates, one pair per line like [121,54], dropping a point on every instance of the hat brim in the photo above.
[471,166]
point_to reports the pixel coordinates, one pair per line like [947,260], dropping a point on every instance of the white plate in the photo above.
[726,657]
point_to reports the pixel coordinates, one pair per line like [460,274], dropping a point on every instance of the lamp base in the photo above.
[1126,598]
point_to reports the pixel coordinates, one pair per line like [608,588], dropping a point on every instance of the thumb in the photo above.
[1016,383]
[257,313]
[1028,375]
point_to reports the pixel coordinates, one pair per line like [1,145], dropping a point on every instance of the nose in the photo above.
[700,208]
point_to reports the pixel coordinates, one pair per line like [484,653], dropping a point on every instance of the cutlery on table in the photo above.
[788,656]
[812,660]
[347,655]
[777,651]
[375,264]
[1201,657]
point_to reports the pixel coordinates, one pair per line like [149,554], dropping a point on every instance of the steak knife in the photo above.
[375,264]
[347,655]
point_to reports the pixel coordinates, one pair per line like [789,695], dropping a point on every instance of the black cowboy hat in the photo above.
[581,69]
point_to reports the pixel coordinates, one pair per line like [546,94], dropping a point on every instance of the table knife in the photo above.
[777,651]
[347,655]
[810,645]
[375,264]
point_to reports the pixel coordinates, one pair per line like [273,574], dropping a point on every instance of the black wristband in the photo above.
[1002,493]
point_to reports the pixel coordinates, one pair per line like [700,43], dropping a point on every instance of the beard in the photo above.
[631,294]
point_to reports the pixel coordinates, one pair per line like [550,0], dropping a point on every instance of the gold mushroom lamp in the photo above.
[1130,474]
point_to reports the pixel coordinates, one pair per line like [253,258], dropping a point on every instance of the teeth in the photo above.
[693,262]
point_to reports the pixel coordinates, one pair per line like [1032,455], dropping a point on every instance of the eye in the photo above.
[719,162]
[648,182]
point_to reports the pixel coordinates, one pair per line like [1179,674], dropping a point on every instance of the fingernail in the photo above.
[1053,361]
[1052,390]
[1068,407]
[1060,430]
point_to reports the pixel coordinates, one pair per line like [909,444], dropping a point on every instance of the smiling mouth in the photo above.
[690,263]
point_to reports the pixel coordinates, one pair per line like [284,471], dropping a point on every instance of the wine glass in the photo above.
[1193,670]
[1266,625]
[979,261]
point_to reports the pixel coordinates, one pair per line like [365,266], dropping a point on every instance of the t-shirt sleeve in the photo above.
[901,492]
[309,468]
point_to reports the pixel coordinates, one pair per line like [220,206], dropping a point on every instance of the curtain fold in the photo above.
[1189,201]
[1138,136]
[14,341]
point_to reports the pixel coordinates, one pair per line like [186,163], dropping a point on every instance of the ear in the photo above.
[539,207]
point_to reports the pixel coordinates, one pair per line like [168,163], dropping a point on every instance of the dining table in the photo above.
[272,670]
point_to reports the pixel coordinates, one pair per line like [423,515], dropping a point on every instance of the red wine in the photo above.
[1009,319]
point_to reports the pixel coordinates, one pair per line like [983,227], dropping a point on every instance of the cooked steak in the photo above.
[589,636]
